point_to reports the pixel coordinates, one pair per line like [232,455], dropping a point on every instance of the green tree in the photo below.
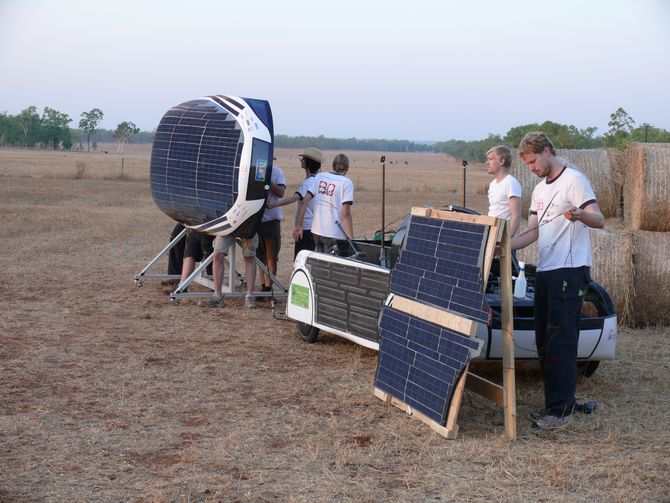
[124,133]
[89,123]
[620,126]
[10,132]
[55,131]
[620,121]
[647,133]
[29,123]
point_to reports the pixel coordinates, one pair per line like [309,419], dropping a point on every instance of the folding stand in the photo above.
[228,288]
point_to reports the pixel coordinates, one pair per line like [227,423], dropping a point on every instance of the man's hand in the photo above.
[297,233]
[573,214]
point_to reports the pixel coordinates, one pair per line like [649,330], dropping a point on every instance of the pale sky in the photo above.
[416,70]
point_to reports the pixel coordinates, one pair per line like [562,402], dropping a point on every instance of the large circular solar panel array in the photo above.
[211,163]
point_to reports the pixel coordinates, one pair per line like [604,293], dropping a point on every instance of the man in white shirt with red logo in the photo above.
[562,210]
[333,197]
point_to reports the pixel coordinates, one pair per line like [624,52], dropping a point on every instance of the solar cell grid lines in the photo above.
[442,265]
[199,149]
[420,362]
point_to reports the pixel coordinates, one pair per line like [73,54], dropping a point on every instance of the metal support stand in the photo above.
[228,288]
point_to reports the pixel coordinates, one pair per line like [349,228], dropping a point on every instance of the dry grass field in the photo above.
[110,393]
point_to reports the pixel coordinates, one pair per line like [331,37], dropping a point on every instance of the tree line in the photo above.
[622,130]
[51,130]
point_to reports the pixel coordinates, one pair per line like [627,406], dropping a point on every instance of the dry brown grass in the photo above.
[111,393]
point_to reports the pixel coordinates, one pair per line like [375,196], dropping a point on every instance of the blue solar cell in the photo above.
[441,265]
[420,362]
[196,158]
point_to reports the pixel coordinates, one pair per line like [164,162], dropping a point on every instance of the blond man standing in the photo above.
[504,190]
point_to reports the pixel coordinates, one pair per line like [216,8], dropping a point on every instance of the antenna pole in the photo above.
[382,253]
[465,165]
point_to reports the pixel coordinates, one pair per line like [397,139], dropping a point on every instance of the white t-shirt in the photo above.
[499,195]
[307,186]
[562,243]
[331,192]
[277,178]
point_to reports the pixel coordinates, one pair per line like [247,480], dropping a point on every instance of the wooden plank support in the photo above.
[435,315]
[436,427]
[507,322]
[485,388]
[454,216]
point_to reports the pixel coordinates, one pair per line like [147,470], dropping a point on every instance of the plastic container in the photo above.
[520,283]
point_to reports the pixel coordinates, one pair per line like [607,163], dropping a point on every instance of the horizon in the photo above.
[371,71]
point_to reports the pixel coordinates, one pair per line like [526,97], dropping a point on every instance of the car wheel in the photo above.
[308,333]
[597,303]
[587,369]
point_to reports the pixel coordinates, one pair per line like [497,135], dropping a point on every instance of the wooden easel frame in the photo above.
[498,244]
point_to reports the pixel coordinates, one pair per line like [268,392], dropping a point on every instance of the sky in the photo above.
[419,70]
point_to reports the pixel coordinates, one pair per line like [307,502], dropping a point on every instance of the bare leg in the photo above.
[218,267]
[187,268]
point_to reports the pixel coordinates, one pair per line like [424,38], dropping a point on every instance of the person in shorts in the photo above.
[197,248]
[221,246]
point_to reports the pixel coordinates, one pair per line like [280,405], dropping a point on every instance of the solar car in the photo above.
[344,295]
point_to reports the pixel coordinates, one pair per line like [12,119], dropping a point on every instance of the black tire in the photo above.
[308,333]
[587,369]
[597,302]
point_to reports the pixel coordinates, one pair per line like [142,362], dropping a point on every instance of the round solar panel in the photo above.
[211,163]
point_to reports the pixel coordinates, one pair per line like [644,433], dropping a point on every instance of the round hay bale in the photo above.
[603,168]
[647,186]
[651,304]
[612,250]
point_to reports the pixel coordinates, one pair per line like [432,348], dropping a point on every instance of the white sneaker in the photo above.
[213,301]
[250,302]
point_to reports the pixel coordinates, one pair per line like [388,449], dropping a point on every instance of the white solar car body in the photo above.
[211,163]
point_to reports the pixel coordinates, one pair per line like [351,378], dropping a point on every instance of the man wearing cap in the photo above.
[333,195]
[310,161]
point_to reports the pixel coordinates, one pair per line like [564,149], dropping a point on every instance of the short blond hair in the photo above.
[534,143]
[502,152]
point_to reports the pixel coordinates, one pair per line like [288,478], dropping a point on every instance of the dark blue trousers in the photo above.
[559,295]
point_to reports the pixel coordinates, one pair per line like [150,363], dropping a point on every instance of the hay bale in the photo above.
[651,303]
[647,186]
[612,250]
[603,168]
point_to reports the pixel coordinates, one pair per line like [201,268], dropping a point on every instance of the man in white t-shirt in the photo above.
[269,230]
[504,189]
[310,161]
[333,195]
[562,210]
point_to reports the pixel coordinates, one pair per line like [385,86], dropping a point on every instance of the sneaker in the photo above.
[583,408]
[586,408]
[213,301]
[549,422]
[250,302]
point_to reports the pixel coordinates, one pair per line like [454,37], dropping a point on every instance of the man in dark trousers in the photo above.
[563,209]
